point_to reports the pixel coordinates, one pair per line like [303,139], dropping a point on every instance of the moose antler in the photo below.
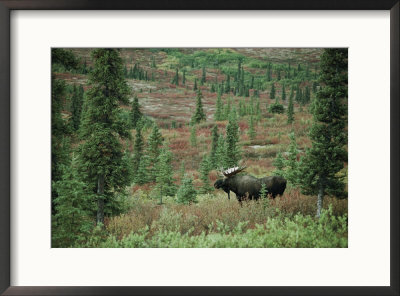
[233,171]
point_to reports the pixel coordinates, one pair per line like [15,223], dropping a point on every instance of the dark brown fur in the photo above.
[246,186]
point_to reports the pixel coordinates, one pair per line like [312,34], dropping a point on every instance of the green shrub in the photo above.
[276,108]
[299,231]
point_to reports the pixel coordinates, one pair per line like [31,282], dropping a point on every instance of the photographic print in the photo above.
[199,147]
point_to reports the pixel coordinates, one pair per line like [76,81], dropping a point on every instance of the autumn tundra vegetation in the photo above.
[140,136]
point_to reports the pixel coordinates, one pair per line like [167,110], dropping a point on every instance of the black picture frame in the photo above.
[7,6]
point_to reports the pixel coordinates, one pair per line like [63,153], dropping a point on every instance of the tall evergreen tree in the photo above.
[279,163]
[220,154]
[272,93]
[137,155]
[165,182]
[218,115]
[153,62]
[153,150]
[290,110]
[227,109]
[203,76]
[228,84]
[135,113]
[143,174]
[199,114]
[232,140]
[269,76]
[258,110]
[101,153]
[186,193]
[60,131]
[76,106]
[59,149]
[327,154]
[184,77]
[214,143]
[291,163]
[175,80]
[307,95]
[72,221]
[195,84]
[283,93]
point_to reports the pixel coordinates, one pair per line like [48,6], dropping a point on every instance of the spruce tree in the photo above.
[204,170]
[227,109]
[186,193]
[297,97]
[269,77]
[212,88]
[219,109]
[175,80]
[143,174]
[291,163]
[214,143]
[164,174]
[228,84]
[232,140]
[59,143]
[76,106]
[279,163]
[72,221]
[101,155]
[195,84]
[283,93]
[199,114]
[290,110]
[327,154]
[135,113]
[272,93]
[307,95]
[184,77]
[153,62]
[153,150]
[203,76]
[137,154]
[220,154]
[258,110]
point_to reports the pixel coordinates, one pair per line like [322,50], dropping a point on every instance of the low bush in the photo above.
[215,221]
[277,232]
[276,108]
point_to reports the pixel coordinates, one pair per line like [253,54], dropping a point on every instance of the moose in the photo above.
[246,186]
